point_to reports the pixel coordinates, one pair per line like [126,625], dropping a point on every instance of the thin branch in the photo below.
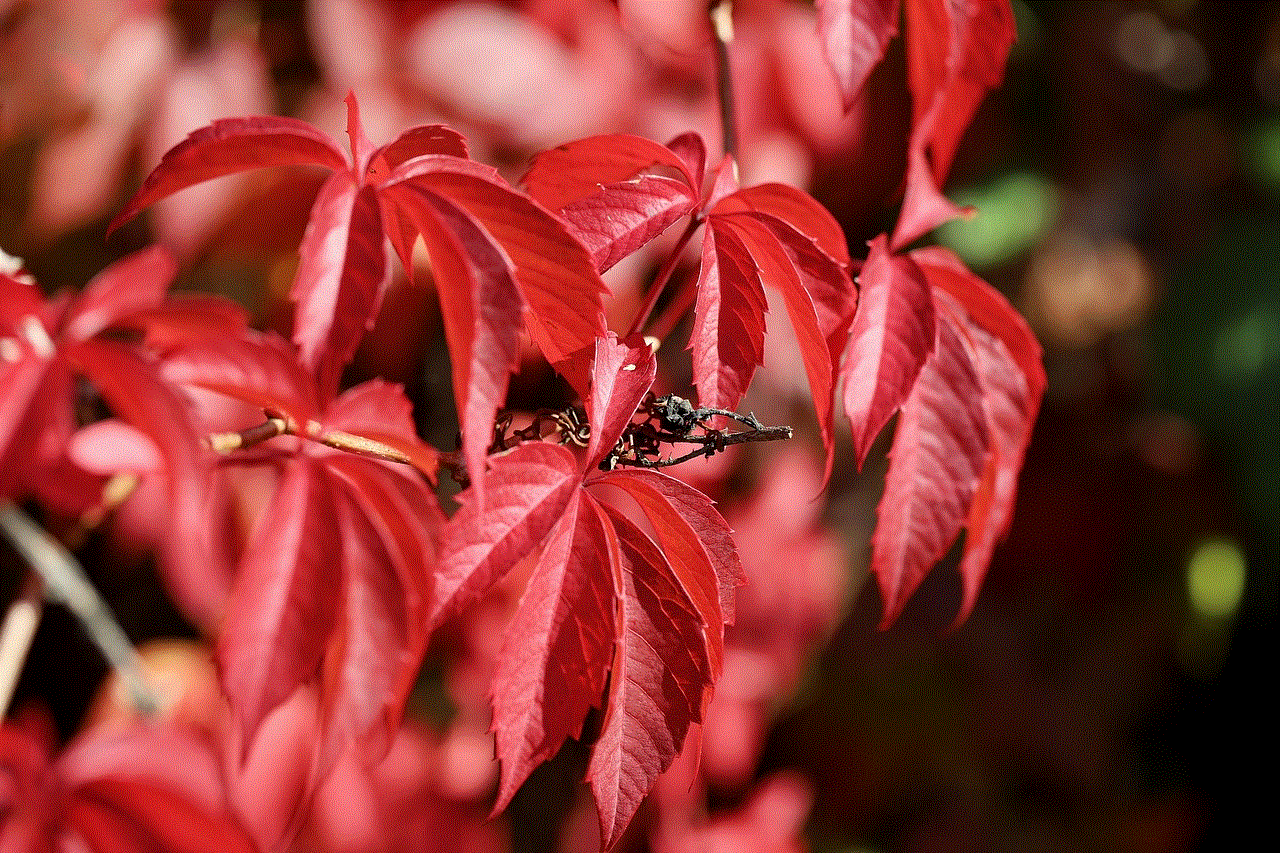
[16,634]
[675,310]
[664,276]
[711,443]
[65,582]
[722,28]
[225,442]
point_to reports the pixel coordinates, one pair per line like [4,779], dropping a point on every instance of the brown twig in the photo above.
[663,277]
[722,31]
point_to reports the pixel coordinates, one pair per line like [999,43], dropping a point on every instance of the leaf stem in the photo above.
[16,633]
[663,276]
[675,310]
[722,29]
[225,442]
[66,583]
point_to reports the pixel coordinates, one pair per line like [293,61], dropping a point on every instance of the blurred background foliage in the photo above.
[1107,690]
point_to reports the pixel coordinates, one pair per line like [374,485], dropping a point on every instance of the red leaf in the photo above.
[776,267]
[692,151]
[340,280]
[1007,359]
[361,148]
[553,271]
[261,369]
[407,517]
[799,210]
[185,317]
[707,580]
[371,660]
[555,656]
[621,374]
[890,339]
[481,306]
[18,299]
[577,170]
[137,392]
[526,493]
[1005,400]
[422,141]
[676,510]
[924,207]
[154,787]
[283,604]
[625,216]
[233,145]
[130,285]
[990,310]
[658,678]
[607,191]
[937,457]
[854,36]
[728,320]
[956,51]
[127,815]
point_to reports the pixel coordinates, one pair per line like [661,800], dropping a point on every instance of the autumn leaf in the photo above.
[890,339]
[132,791]
[486,240]
[607,601]
[333,586]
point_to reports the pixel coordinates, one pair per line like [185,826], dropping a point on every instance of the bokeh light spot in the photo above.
[1215,578]
[1015,212]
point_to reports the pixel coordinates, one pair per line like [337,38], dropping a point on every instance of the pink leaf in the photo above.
[284,602]
[130,285]
[728,320]
[556,653]
[658,679]
[937,457]
[110,446]
[233,145]
[340,280]
[854,35]
[526,493]
[889,341]
[621,374]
